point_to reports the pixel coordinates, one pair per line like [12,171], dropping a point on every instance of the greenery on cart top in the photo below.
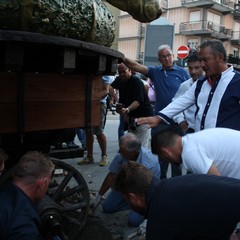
[86,20]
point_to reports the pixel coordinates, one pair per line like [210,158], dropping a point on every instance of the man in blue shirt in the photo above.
[166,79]
[129,149]
[216,95]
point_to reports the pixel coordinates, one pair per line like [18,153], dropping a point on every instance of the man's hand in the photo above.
[142,227]
[184,125]
[151,121]
[95,201]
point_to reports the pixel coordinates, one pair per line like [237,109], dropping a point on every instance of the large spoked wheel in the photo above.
[65,209]
[70,191]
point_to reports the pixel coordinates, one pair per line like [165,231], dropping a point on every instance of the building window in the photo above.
[194,16]
[215,18]
[193,44]
[235,52]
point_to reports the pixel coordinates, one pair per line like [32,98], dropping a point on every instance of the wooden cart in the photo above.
[48,87]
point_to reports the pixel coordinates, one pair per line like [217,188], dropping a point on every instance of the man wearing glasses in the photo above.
[167,78]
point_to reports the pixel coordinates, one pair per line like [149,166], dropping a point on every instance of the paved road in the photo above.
[94,174]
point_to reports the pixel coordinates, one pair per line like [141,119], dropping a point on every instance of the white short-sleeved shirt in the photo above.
[218,146]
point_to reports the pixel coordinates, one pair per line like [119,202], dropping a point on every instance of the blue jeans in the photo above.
[121,127]
[115,202]
[81,136]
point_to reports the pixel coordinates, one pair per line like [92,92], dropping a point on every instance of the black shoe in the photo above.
[58,146]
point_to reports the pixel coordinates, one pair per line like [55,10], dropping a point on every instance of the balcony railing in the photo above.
[205,27]
[223,6]
[236,15]
[235,61]
[236,12]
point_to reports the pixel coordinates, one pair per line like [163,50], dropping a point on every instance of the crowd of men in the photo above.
[205,141]
[195,124]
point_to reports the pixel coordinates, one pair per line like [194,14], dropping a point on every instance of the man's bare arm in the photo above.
[105,90]
[135,66]
[106,183]
[113,94]
[213,170]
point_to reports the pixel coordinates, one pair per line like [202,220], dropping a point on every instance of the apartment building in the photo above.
[193,20]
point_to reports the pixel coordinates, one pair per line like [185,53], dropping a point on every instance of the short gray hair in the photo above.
[32,166]
[164,46]
[130,142]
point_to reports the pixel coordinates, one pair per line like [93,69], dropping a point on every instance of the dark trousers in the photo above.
[176,169]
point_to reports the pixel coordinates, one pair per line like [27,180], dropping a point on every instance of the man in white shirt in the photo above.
[216,95]
[213,151]
[186,119]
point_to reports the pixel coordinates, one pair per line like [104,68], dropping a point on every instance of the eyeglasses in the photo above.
[165,56]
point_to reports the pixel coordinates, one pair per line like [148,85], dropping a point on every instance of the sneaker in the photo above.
[86,160]
[104,161]
[58,146]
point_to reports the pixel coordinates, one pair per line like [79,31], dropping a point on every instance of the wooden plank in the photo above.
[8,87]
[14,56]
[54,87]
[22,36]
[51,101]
[47,99]
[55,115]
[35,52]
[8,102]
[8,119]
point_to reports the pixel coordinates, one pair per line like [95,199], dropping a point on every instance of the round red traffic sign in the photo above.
[183,51]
